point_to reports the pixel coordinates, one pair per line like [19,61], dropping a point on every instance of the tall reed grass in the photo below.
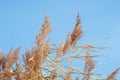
[38,64]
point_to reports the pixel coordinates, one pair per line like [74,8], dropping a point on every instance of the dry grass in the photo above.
[38,64]
[112,76]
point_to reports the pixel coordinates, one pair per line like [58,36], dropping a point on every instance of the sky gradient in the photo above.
[20,22]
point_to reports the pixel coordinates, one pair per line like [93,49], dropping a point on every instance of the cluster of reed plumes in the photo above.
[47,61]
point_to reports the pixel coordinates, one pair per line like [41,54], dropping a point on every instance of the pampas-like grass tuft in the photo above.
[38,64]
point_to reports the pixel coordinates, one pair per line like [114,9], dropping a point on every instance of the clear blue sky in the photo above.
[20,21]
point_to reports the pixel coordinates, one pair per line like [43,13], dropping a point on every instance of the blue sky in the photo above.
[20,22]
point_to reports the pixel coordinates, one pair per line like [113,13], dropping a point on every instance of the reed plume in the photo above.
[112,76]
[89,65]
[73,37]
